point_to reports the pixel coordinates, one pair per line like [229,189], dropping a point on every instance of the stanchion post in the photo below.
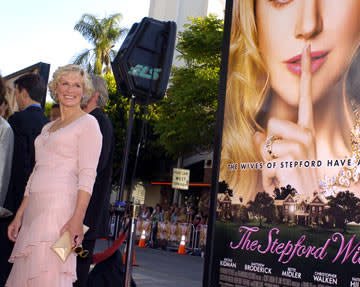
[192,237]
[133,212]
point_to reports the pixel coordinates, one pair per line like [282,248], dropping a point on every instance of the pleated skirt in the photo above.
[35,264]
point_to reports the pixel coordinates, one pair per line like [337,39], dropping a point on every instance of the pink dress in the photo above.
[66,161]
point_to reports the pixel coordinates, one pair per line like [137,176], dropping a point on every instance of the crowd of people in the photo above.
[55,176]
[173,214]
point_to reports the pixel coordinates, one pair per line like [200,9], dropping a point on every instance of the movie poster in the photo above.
[288,202]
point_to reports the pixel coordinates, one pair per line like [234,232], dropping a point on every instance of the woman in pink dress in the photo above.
[59,188]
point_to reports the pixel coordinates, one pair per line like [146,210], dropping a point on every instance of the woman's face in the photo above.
[332,27]
[70,89]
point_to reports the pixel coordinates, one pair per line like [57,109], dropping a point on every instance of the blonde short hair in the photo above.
[61,71]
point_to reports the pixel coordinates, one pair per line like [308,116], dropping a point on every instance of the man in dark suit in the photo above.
[26,124]
[97,214]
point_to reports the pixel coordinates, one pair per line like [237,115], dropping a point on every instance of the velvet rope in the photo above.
[101,256]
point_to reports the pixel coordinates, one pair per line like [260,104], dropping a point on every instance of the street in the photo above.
[164,268]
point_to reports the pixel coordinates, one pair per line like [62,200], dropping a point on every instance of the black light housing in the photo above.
[143,63]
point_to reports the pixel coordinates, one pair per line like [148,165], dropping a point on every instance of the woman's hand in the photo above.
[14,227]
[291,142]
[75,227]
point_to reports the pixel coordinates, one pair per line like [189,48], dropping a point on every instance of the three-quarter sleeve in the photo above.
[89,148]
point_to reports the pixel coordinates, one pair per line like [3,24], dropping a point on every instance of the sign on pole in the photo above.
[138,193]
[180,178]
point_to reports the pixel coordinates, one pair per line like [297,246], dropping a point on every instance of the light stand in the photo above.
[133,213]
[127,149]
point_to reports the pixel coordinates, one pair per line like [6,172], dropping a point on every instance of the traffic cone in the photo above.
[142,243]
[182,248]
[124,258]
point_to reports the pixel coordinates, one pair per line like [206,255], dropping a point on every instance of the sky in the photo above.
[35,31]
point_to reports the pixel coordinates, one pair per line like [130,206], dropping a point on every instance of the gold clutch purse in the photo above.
[62,247]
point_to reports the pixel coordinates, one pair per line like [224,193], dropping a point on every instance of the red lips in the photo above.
[317,59]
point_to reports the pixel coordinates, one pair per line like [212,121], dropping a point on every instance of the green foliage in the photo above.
[284,191]
[344,207]
[117,109]
[47,109]
[187,114]
[263,207]
[201,41]
[103,35]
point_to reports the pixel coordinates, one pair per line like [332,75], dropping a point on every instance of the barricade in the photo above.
[170,233]
[198,239]
[116,223]
[142,225]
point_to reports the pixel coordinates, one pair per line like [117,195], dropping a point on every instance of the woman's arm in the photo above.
[75,224]
[14,226]
[89,148]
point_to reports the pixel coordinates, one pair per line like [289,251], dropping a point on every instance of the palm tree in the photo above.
[102,34]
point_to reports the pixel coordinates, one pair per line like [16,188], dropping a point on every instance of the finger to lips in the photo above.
[305,115]
[289,130]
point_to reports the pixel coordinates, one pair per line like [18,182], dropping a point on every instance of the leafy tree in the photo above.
[263,207]
[224,187]
[187,114]
[344,207]
[151,157]
[241,214]
[102,34]
[47,109]
[283,192]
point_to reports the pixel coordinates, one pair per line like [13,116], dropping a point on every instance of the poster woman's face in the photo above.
[332,27]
